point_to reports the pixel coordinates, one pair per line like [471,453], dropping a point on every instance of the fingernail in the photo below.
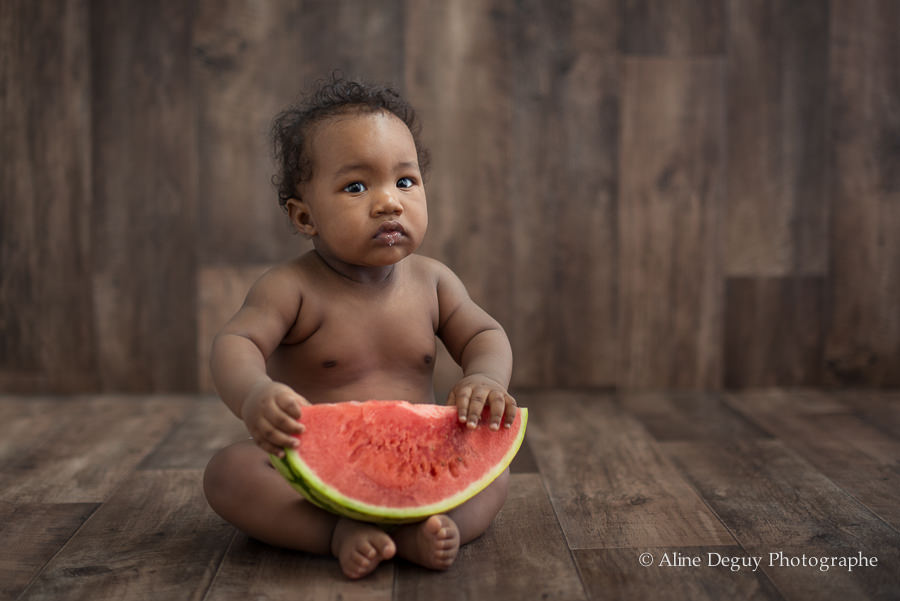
[495,426]
[473,423]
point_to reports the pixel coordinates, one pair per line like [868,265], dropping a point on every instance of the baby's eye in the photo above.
[405,183]
[355,188]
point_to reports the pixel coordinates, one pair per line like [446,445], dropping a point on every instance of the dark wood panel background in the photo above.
[648,194]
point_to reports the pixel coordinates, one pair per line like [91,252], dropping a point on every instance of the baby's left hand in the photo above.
[470,395]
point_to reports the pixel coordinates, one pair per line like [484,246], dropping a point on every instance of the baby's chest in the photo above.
[393,331]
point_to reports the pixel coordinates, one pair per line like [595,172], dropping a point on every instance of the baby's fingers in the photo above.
[510,413]
[271,439]
[285,416]
[476,405]
[497,401]
[460,398]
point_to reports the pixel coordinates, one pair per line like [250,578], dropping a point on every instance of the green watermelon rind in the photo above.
[305,481]
[283,467]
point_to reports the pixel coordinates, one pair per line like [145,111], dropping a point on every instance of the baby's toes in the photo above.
[444,542]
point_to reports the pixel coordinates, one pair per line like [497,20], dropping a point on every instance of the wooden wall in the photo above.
[647,193]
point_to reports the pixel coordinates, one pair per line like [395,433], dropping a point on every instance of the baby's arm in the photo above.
[478,343]
[270,410]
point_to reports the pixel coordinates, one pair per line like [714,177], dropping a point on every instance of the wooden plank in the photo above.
[144,210]
[608,481]
[852,453]
[524,462]
[671,187]
[688,416]
[775,502]
[775,219]
[77,450]
[675,28]
[863,343]
[880,408]
[221,291]
[46,192]
[461,46]
[254,570]
[32,534]
[620,574]
[522,555]
[206,427]
[799,401]
[155,538]
[562,162]
[774,332]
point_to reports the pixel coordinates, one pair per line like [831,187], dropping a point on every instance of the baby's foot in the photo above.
[360,547]
[433,543]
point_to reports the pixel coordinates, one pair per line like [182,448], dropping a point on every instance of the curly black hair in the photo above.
[332,97]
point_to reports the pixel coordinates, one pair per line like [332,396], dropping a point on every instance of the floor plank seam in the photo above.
[37,574]
[562,531]
[218,570]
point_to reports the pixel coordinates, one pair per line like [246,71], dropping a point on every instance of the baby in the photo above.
[353,319]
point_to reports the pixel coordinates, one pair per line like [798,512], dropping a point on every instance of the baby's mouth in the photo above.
[390,232]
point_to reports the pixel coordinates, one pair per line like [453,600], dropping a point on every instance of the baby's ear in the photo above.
[301,217]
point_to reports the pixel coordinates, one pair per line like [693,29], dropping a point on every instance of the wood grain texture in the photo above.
[671,176]
[144,214]
[773,501]
[562,182]
[675,28]
[688,416]
[854,454]
[618,574]
[79,450]
[47,337]
[155,538]
[457,75]
[32,534]
[206,427]
[609,483]
[254,570]
[523,555]
[880,409]
[863,344]
[774,332]
[775,213]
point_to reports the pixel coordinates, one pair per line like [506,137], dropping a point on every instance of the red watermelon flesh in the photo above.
[394,461]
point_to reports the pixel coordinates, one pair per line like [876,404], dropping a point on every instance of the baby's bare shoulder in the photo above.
[284,280]
[426,267]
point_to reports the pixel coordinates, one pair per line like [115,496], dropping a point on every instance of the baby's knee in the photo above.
[500,486]
[219,482]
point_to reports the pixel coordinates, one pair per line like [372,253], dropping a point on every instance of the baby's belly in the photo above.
[355,378]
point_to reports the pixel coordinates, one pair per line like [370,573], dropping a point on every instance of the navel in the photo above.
[429,359]
[329,363]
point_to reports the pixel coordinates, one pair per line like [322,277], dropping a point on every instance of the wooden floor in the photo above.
[100,498]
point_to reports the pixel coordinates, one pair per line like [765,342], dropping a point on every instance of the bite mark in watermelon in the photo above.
[394,461]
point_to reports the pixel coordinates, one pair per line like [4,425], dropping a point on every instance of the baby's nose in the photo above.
[386,204]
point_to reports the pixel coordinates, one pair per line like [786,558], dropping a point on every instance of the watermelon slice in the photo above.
[394,461]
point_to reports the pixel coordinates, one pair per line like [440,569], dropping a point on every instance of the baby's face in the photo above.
[365,199]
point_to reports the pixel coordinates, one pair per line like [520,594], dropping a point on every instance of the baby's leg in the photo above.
[243,488]
[435,542]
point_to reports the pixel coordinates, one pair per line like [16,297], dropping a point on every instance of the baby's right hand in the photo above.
[270,412]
